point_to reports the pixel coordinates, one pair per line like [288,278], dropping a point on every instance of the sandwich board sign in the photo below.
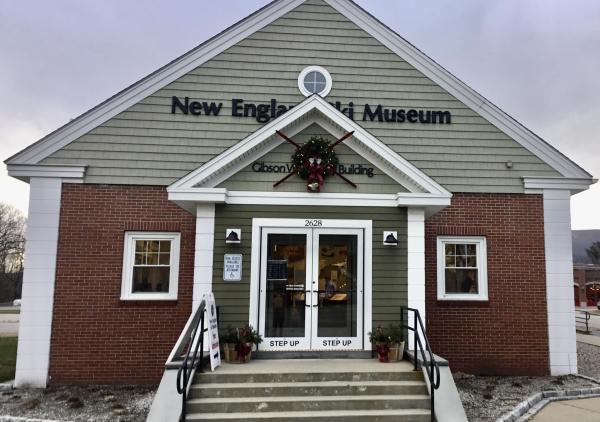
[213,331]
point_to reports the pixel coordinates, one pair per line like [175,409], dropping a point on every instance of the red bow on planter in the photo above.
[242,349]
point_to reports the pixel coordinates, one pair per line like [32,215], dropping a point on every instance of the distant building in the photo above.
[586,278]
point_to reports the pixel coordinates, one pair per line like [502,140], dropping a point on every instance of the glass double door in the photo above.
[311,290]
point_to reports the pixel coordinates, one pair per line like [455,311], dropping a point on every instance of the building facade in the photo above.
[586,284]
[316,172]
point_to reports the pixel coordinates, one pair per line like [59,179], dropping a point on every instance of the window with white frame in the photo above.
[150,266]
[462,268]
[315,80]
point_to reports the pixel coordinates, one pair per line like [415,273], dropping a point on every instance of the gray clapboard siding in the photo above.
[191,126]
[389,280]
[298,62]
[148,145]
[344,73]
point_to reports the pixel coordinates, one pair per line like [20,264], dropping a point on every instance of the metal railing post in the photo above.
[184,392]
[431,384]
[587,319]
[431,368]
[416,341]
[188,345]
[201,342]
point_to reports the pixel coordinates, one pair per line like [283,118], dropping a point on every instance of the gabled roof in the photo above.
[310,111]
[206,51]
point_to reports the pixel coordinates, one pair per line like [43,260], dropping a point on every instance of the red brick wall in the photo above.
[96,337]
[508,333]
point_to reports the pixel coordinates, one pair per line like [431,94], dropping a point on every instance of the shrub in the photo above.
[389,335]
[243,335]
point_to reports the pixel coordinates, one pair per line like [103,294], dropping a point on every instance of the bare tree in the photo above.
[12,248]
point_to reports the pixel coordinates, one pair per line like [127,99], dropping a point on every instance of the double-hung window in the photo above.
[462,268]
[150,266]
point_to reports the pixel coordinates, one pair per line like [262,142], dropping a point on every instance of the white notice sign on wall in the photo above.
[232,267]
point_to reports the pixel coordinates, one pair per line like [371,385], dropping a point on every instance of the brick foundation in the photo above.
[507,334]
[96,337]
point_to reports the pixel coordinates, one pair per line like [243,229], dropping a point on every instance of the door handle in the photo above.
[317,305]
[306,294]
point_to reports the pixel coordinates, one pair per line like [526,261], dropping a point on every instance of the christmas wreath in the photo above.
[314,161]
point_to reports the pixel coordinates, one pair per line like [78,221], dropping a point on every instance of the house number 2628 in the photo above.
[313,223]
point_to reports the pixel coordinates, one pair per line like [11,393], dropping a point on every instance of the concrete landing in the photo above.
[279,366]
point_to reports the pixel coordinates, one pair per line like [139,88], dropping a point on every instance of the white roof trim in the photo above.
[206,51]
[188,198]
[313,109]
[538,184]
[25,171]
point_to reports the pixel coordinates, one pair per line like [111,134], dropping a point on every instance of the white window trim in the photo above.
[324,72]
[481,244]
[129,259]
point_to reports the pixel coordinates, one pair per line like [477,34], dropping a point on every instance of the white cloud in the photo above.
[585,209]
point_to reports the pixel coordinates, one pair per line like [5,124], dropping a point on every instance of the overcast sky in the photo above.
[538,60]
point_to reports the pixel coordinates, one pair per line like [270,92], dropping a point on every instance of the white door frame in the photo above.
[259,223]
[297,343]
[339,343]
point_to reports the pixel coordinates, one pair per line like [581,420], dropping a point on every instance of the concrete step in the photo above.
[306,403]
[395,415]
[325,388]
[221,378]
[342,354]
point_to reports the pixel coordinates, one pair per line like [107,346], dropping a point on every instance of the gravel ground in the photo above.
[74,403]
[588,357]
[487,398]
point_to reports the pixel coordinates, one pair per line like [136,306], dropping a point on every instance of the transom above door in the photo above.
[311,284]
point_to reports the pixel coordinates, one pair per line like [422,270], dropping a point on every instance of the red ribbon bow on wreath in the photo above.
[313,167]
[316,176]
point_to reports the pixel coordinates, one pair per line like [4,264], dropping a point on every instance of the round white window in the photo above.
[314,80]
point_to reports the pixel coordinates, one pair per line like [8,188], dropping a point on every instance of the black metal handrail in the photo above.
[585,319]
[193,337]
[431,367]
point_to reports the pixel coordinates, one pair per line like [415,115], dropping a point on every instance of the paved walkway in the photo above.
[584,410]
[588,339]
